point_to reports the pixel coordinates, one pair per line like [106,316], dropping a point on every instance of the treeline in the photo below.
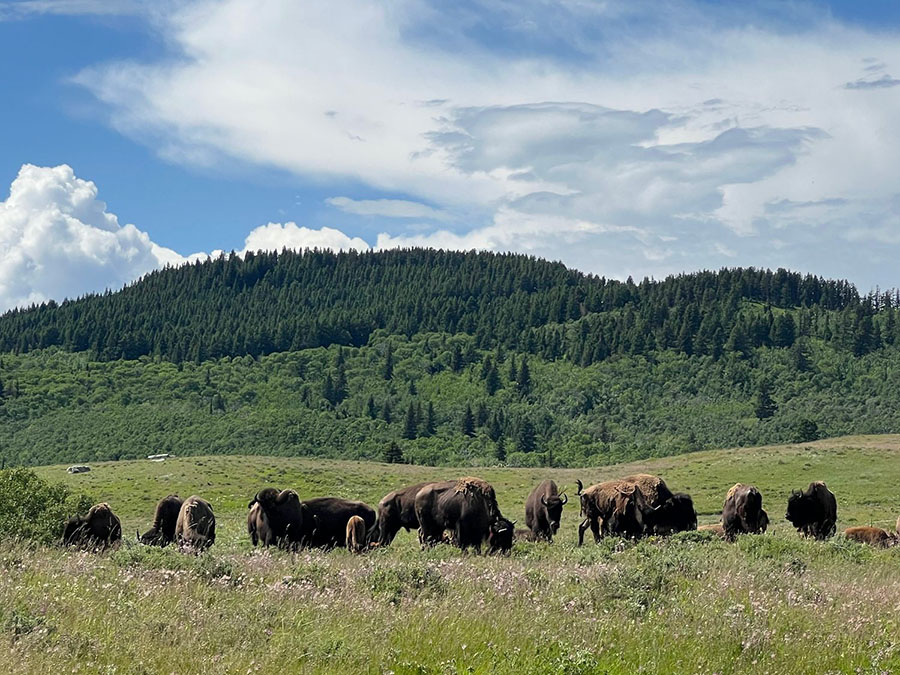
[276,302]
[438,399]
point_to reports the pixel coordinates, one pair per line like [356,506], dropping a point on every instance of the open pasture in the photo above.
[690,603]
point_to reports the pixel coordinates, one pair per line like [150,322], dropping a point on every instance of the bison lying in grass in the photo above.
[873,536]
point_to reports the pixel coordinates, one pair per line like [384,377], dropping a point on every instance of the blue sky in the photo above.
[624,138]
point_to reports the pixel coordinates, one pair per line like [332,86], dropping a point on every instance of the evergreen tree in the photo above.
[495,431]
[500,450]
[410,427]
[328,389]
[492,380]
[371,411]
[456,358]
[393,454]
[430,421]
[523,381]
[468,422]
[804,430]
[784,330]
[386,412]
[527,439]
[387,368]
[764,405]
[513,373]
[481,414]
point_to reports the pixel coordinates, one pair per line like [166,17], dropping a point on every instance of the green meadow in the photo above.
[686,604]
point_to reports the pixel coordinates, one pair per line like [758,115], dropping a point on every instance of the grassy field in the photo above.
[685,604]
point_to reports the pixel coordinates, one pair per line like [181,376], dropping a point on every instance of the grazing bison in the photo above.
[162,532]
[196,525]
[675,514]
[325,520]
[276,519]
[543,510]
[99,529]
[874,536]
[716,529]
[397,510]
[614,507]
[356,534]
[467,508]
[742,512]
[502,536]
[813,512]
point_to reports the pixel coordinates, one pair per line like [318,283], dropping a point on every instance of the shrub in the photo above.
[33,509]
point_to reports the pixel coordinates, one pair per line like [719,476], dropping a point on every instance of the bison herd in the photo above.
[465,513]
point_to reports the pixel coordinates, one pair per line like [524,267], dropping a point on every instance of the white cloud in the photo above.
[57,240]
[571,124]
[275,236]
[388,208]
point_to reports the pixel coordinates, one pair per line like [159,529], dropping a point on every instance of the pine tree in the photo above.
[430,421]
[764,406]
[328,389]
[492,380]
[456,358]
[387,368]
[513,373]
[481,414]
[523,381]
[393,454]
[386,412]
[371,411]
[410,427]
[527,440]
[468,422]
[500,450]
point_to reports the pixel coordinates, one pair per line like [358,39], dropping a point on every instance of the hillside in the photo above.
[458,358]
[688,603]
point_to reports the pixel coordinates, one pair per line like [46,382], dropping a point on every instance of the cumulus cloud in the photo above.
[277,236]
[57,240]
[575,131]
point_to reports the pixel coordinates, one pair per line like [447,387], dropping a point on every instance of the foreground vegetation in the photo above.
[690,603]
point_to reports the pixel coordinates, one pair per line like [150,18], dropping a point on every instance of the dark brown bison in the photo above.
[813,512]
[543,510]
[742,512]
[276,519]
[196,525]
[99,529]
[502,536]
[874,536]
[325,520]
[613,507]
[467,508]
[162,532]
[397,510]
[675,514]
[356,534]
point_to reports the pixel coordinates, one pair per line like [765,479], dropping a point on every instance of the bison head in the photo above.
[798,512]
[554,505]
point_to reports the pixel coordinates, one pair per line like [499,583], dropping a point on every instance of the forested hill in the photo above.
[275,302]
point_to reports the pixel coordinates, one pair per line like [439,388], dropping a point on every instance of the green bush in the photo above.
[33,509]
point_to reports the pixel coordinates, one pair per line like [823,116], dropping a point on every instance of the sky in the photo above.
[630,138]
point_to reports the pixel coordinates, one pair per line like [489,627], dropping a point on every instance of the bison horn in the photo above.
[580,486]
[544,500]
[565,498]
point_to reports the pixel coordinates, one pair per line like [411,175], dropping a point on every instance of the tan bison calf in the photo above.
[356,534]
[718,529]
[874,536]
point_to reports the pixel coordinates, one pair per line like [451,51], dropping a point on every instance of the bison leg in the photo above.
[581,529]
[595,529]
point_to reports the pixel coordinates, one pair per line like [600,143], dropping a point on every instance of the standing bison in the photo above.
[397,510]
[675,514]
[742,512]
[543,510]
[162,532]
[814,511]
[356,534]
[196,525]
[325,520]
[467,508]
[276,519]
[613,507]
[99,529]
